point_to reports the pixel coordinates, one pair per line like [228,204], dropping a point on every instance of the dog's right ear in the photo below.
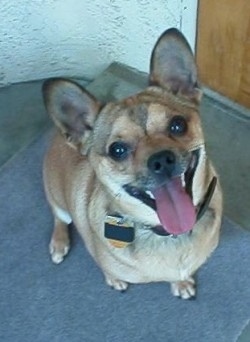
[72,109]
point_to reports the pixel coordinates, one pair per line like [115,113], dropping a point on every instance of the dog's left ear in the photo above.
[173,67]
[72,109]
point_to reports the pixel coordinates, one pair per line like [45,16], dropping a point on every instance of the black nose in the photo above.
[162,163]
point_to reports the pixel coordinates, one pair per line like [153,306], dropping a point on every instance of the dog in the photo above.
[133,176]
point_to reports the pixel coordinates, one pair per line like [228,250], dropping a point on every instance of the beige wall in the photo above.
[43,38]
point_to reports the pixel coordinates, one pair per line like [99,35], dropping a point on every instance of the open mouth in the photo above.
[172,201]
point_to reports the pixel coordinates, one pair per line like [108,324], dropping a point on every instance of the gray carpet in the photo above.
[43,302]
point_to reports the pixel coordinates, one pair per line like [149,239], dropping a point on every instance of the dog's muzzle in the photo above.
[164,167]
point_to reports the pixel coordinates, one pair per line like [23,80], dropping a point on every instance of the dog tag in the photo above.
[119,233]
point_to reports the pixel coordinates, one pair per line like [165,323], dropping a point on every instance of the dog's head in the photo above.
[147,148]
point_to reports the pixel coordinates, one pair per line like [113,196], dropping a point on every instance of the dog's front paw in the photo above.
[184,289]
[116,284]
[58,250]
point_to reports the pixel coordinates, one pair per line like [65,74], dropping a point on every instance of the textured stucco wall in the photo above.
[43,38]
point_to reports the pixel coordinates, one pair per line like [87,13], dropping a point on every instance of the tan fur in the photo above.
[84,184]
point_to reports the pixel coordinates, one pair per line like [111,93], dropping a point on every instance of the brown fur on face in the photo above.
[87,178]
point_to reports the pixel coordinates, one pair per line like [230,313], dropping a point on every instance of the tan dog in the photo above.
[133,175]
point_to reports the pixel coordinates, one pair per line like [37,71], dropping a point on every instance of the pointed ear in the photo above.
[72,109]
[172,65]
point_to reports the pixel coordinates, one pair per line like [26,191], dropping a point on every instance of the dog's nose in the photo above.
[162,163]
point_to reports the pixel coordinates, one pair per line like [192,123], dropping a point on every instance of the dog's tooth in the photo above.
[150,194]
[183,180]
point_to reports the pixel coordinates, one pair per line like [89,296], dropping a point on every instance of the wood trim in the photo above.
[223,47]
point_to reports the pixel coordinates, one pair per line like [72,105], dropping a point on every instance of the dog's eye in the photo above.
[178,125]
[118,151]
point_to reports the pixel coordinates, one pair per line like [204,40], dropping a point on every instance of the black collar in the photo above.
[207,199]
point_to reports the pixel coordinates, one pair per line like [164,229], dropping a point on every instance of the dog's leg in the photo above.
[116,284]
[59,243]
[184,289]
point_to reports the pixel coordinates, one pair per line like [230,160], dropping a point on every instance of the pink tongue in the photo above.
[174,207]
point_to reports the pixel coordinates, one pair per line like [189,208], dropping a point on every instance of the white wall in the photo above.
[43,38]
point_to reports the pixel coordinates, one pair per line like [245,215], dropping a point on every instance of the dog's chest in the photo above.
[156,260]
